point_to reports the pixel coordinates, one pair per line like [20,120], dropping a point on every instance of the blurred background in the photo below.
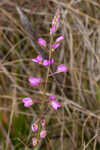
[76,125]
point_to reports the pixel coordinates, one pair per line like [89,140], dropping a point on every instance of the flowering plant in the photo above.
[39,126]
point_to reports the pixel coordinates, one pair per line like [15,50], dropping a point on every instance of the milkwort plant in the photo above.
[39,126]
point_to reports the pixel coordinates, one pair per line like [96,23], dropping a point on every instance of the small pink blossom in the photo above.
[27,102]
[43,134]
[35,81]
[42,42]
[38,59]
[42,123]
[34,141]
[61,68]
[45,62]
[53,102]
[55,45]
[60,38]
[34,127]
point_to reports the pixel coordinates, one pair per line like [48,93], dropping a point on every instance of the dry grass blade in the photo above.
[32,34]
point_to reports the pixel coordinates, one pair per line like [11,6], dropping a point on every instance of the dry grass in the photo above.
[76,125]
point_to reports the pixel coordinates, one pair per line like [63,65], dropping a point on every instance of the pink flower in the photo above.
[43,134]
[48,62]
[61,68]
[34,127]
[60,38]
[27,102]
[35,81]
[38,59]
[53,102]
[34,141]
[56,45]
[42,42]
[42,123]
[45,62]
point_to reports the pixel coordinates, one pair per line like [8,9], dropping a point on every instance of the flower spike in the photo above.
[55,22]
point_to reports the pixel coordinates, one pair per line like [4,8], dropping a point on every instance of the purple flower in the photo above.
[48,62]
[43,134]
[60,38]
[53,102]
[55,45]
[34,127]
[42,42]
[61,68]
[34,141]
[45,62]
[38,59]
[27,102]
[35,81]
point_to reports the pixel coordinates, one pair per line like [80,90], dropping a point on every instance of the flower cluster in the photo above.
[39,130]
[44,62]
[54,46]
